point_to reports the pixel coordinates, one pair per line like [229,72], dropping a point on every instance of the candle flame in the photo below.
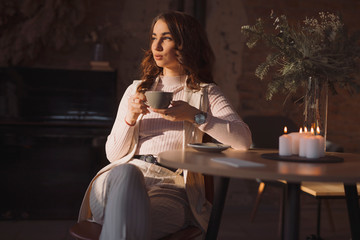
[312,130]
[318,130]
[285,129]
[305,129]
[300,130]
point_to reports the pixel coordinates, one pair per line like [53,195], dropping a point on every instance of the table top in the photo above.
[347,171]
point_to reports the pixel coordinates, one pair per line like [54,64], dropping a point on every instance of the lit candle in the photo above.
[302,146]
[295,141]
[303,142]
[285,147]
[322,142]
[313,147]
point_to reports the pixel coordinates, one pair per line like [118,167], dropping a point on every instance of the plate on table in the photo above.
[209,147]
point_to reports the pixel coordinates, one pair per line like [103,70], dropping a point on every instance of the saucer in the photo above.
[209,147]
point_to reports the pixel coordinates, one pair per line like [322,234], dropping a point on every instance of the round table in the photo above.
[347,172]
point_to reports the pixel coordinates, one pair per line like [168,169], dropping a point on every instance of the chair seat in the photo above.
[325,190]
[86,230]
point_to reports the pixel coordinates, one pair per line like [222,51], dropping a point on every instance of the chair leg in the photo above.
[318,221]
[261,189]
[331,219]
[281,214]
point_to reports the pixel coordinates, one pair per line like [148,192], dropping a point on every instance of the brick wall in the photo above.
[235,63]
[343,117]
[238,62]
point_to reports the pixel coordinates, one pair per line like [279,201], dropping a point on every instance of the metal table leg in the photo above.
[217,209]
[352,203]
[291,215]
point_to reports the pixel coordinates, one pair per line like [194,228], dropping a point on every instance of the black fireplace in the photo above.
[53,127]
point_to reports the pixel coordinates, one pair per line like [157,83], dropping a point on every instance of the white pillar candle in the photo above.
[303,141]
[322,142]
[302,144]
[313,146]
[295,142]
[322,145]
[285,147]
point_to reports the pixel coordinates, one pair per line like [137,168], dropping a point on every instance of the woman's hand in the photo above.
[136,106]
[178,111]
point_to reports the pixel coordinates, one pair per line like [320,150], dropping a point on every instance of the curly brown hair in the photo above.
[192,49]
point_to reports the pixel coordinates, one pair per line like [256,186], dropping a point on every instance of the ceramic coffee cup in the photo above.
[158,99]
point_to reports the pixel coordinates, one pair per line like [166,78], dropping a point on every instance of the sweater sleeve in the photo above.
[119,141]
[223,123]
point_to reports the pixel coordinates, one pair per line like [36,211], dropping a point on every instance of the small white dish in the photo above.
[209,147]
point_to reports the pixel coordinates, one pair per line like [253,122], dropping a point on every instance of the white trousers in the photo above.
[138,201]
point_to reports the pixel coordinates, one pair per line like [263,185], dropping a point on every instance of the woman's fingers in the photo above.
[136,106]
[137,98]
[178,111]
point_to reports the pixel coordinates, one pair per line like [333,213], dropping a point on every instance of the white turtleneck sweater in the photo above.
[158,134]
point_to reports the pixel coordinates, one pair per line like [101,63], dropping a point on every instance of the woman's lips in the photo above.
[158,57]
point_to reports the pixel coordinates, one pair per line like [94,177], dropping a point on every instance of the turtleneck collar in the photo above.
[172,80]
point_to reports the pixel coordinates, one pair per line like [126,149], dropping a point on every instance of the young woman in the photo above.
[134,197]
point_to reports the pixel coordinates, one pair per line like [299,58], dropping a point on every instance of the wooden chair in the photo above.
[265,134]
[324,192]
[321,191]
[86,230]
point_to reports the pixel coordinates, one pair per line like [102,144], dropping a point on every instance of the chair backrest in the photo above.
[267,129]
[209,188]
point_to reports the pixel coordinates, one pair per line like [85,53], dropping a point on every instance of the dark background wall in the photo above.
[76,151]
[235,63]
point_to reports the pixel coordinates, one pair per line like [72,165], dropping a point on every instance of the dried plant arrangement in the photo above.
[316,47]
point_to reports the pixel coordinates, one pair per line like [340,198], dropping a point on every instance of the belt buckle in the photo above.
[150,159]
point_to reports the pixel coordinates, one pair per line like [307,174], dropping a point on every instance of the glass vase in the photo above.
[316,106]
[98,52]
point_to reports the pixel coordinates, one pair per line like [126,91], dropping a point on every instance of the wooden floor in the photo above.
[235,222]
[236,219]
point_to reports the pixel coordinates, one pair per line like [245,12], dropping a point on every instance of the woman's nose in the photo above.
[158,45]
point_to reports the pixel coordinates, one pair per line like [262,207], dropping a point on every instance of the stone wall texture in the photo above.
[235,62]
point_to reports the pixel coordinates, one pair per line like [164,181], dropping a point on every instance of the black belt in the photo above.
[152,159]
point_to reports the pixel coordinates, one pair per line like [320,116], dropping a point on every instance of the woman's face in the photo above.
[163,48]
